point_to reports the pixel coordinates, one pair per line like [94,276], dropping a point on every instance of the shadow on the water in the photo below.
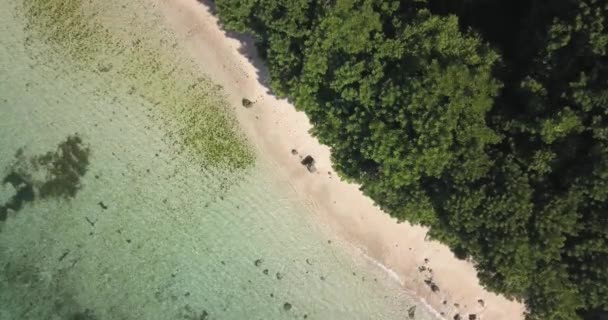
[55,174]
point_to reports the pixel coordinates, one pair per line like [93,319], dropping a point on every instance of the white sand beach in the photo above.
[275,128]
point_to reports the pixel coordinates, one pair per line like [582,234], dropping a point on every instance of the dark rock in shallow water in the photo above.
[287,306]
[472,317]
[309,162]
[258,262]
[457,317]
[411,312]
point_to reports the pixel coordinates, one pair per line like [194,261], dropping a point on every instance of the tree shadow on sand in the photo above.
[247,48]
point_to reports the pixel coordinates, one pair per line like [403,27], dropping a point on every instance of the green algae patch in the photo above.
[143,61]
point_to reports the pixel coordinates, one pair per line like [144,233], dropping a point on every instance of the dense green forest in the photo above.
[486,120]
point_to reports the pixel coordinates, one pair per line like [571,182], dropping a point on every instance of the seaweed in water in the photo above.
[86,315]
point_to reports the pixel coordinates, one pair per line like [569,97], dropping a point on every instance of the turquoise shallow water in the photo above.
[155,229]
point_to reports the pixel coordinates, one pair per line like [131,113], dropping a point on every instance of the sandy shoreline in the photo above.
[276,128]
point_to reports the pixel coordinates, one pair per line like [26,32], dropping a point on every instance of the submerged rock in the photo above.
[258,262]
[411,312]
[102,205]
[287,306]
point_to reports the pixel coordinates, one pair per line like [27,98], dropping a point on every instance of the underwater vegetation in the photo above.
[55,174]
[149,66]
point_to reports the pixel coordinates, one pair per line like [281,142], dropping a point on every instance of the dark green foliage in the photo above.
[485,120]
[282,27]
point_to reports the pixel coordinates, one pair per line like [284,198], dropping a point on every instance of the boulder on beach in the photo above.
[309,162]
[247,103]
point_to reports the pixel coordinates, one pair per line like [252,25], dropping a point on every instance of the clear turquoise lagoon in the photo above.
[128,191]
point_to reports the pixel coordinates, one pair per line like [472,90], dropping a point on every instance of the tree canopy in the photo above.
[485,120]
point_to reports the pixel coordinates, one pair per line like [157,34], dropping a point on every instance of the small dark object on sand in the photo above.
[258,262]
[432,285]
[247,103]
[472,317]
[294,152]
[102,205]
[309,162]
[287,306]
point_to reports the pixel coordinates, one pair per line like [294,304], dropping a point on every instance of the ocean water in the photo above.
[128,191]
